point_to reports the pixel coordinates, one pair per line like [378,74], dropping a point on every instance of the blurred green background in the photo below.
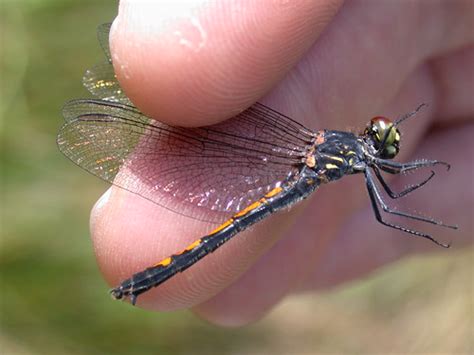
[53,299]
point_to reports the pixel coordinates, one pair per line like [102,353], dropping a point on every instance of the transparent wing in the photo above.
[100,80]
[103,32]
[205,173]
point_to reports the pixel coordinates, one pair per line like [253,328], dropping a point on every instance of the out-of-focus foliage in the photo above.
[53,299]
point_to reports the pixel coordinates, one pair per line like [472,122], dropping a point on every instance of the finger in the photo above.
[454,77]
[353,112]
[361,61]
[111,231]
[194,63]
[173,83]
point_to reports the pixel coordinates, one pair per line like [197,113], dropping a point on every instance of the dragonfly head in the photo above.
[384,136]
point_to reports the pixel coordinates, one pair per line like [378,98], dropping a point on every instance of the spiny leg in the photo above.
[376,200]
[407,190]
[404,214]
[393,167]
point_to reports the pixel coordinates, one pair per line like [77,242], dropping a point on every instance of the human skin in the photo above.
[329,65]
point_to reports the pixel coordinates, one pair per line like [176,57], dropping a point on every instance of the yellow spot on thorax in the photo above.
[333,157]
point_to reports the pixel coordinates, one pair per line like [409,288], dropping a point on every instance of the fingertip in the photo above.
[195,63]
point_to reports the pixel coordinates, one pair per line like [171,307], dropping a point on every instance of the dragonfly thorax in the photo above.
[339,155]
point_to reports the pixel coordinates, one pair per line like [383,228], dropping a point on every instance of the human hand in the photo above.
[212,61]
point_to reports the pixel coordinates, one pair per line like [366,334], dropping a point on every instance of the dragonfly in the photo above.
[234,173]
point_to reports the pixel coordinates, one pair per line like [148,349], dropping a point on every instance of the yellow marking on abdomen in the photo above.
[273,192]
[331,166]
[190,247]
[222,226]
[249,208]
[246,210]
[193,245]
[164,262]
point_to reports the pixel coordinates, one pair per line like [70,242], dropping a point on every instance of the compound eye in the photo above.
[385,135]
[379,126]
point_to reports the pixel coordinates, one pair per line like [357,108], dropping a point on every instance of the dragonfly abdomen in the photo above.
[279,198]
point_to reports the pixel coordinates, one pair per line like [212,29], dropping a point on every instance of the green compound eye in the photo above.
[390,152]
[385,135]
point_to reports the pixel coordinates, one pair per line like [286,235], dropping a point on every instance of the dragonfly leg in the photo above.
[406,191]
[393,167]
[377,200]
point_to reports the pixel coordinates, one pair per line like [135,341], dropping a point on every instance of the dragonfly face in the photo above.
[383,136]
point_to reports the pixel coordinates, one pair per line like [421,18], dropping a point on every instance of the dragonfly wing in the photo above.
[101,82]
[103,32]
[205,172]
